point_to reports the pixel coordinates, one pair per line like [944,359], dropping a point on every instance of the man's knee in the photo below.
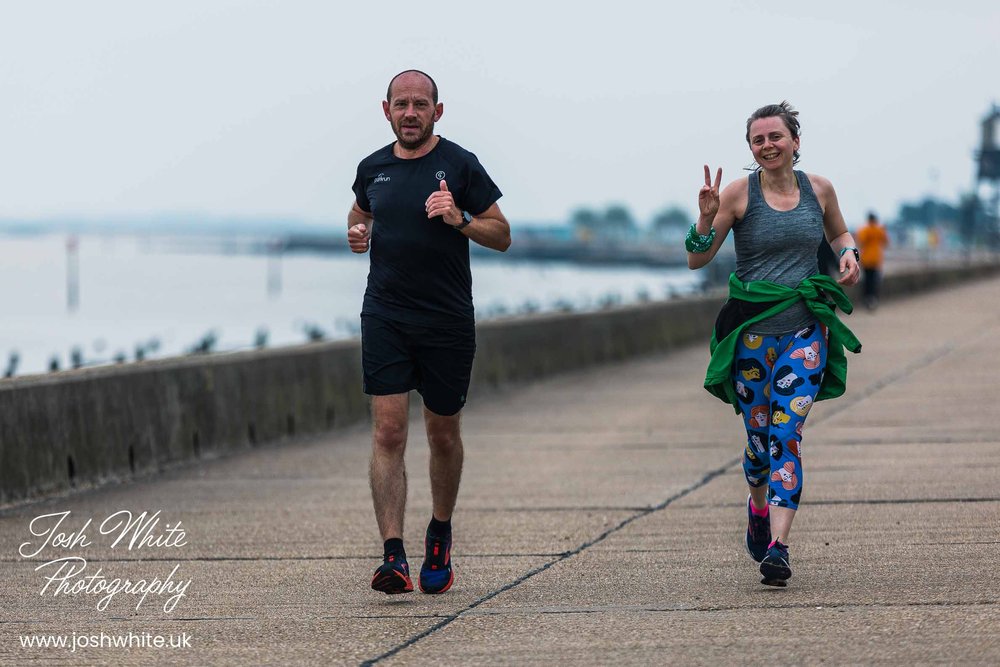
[390,418]
[444,433]
[390,435]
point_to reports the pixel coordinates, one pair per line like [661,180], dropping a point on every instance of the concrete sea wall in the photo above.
[91,426]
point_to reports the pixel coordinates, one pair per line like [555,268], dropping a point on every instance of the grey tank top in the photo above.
[780,247]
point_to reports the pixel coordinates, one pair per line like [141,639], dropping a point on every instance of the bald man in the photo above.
[419,201]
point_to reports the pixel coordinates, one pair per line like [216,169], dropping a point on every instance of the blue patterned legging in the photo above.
[777,379]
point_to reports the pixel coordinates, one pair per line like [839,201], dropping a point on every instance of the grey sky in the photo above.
[265,108]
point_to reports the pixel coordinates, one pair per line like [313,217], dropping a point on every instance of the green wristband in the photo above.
[698,243]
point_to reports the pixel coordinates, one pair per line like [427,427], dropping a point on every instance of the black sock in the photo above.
[393,546]
[439,528]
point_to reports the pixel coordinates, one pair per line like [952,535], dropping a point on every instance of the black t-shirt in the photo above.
[419,272]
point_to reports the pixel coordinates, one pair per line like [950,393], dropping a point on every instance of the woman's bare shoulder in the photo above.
[734,197]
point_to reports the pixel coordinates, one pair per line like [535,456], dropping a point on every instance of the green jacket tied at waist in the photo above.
[816,291]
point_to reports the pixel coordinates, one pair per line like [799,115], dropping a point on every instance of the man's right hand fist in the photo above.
[358,238]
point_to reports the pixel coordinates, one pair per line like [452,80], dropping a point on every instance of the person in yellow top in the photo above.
[872,241]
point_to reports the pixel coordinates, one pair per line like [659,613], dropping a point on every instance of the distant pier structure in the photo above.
[988,172]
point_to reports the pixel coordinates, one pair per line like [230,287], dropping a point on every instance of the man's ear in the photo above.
[438,111]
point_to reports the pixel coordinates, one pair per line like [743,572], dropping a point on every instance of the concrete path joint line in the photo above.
[538,570]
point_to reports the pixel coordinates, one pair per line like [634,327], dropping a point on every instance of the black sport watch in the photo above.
[466,220]
[857,255]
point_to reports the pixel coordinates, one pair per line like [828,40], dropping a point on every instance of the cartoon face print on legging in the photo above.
[776,449]
[744,391]
[751,370]
[786,381]
[809,355]
[800,405]
[752,341]
[786,474]
[778,416]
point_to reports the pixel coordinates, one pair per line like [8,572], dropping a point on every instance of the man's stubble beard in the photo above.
[424,137]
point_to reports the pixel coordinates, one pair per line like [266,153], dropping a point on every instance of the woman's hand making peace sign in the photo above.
[708,197]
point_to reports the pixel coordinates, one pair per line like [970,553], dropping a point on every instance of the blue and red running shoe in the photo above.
[393,576]
[436,575]
[758,533]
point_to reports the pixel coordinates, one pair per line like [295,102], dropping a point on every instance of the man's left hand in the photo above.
[443,204]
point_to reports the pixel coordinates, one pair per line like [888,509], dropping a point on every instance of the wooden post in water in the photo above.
[274,251]
[72,273]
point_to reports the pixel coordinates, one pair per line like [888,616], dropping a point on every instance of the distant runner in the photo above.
[872,241]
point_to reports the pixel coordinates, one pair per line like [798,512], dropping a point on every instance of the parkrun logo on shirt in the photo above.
[382,178]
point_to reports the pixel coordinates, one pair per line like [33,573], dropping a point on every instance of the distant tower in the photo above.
[988,172]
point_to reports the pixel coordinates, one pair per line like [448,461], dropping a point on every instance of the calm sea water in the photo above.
[146,292]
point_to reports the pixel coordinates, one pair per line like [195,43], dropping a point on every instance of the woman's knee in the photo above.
[755,467]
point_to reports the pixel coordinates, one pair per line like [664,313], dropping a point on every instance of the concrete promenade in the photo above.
[600,522]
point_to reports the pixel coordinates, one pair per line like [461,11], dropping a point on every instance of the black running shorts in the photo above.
[437,362]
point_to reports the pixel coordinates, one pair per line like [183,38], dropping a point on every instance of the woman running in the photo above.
[778,345]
